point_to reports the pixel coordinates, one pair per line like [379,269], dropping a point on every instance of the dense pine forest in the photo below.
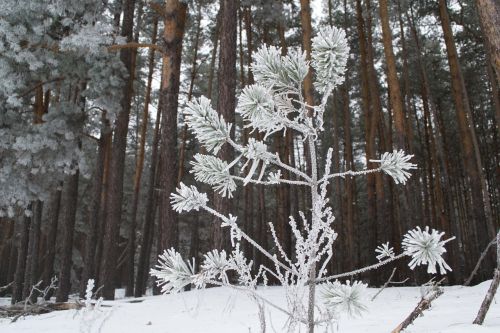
[94,138]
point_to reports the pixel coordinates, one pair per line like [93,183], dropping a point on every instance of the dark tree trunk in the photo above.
[117,163]
[17,293]
[54,210]
[95,208]
[68,223]
[481,207]
[129,280]
[226,102]
[149,216]
[32,258]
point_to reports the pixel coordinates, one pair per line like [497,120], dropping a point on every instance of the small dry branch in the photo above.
[21,310]
[388,282]
[478,264]
[485,306]
[424,304]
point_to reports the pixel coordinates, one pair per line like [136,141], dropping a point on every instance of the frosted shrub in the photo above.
[274,104]
[91,314]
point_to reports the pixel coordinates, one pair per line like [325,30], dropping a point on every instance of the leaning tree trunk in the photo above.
[470,150]
[117,163]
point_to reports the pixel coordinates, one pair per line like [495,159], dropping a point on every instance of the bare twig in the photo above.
[478,264]
[388,282]
[40,84]
[7,286]
[360,270]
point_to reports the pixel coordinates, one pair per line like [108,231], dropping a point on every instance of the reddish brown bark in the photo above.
[174,21]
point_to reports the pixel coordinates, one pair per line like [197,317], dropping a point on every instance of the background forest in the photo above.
[93,140]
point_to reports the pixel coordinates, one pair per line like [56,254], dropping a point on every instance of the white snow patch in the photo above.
[219,310]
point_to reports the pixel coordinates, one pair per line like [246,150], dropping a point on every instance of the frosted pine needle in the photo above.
[396,165]
[426,249]
[384,251]
[173,272]
[188,198]
[345,297]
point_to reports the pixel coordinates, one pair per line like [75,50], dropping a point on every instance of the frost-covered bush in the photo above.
[276,103]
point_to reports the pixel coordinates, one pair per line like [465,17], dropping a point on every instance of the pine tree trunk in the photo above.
[117,163]
[193,72]
[129,281]
[440,162]
[32,257]
[305,19]
[481,206]
[369,111]
[396,99]
[95,208]
[213,56]
[68,222]
[226,102]
[175,19]
[149,215]
[17,293]
[108,144]
[54,210]
[248,190]
[489,14]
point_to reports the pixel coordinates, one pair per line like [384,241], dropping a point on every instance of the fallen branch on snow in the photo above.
[424,304]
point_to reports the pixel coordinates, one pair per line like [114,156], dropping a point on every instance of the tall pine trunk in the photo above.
[117,163]
[70,196]
[174,20]
[129,280]
[481,207]
[226,102]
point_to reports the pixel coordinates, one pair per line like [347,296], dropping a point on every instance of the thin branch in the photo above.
[360,270]
[478,264]
[251,241]
[389,281]
[424,304]
[134,45]
[274,160]
[40,84]
[7,286]
[284,181]
[350,173]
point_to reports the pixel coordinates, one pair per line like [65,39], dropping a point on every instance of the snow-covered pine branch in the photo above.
[396,165]
[213,171]
[271,106]
[207,125]
[426,248]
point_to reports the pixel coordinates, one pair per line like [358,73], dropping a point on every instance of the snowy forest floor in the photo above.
[221,310]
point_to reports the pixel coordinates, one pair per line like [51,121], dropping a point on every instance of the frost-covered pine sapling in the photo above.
[273,105]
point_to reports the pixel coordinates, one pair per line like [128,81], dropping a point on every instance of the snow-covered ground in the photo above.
[220,310]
